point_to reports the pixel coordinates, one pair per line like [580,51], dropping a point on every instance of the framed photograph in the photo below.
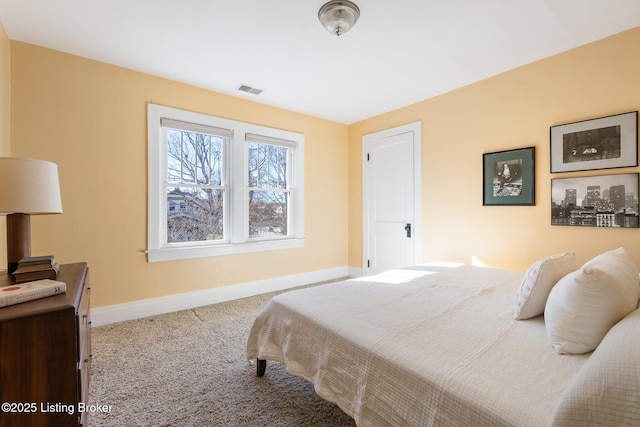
[604,143]
[596,201]
[508,178]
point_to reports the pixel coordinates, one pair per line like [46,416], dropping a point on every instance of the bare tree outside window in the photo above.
[269,192]
[219,187]
[195,188]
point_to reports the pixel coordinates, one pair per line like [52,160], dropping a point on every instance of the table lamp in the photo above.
[27,187]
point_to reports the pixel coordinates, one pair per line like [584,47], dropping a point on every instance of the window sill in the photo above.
[175,253]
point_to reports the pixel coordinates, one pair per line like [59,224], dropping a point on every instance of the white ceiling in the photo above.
[399,52]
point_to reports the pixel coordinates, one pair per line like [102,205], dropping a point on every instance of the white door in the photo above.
[392,199]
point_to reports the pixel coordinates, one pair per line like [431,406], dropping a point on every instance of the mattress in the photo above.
[426,345]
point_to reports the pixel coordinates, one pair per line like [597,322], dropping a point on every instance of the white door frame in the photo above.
[416,128]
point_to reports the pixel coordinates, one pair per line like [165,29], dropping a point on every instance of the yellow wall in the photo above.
[511,110]
[5,94]
[90,119]
[5,125]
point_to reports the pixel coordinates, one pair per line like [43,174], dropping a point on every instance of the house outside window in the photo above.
[219,187]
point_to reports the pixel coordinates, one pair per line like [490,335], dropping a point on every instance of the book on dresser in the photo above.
[36,268]
[29,291]
[37,260]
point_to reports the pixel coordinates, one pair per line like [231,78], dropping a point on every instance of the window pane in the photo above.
[267,165]
[215,167]
[278,167]
[189,164]
[174,155]
[268,212]
[194,158]
[253,164]
[208,159]
[194,214]
[203,158]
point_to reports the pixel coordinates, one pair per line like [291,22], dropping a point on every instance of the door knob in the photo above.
[407,228]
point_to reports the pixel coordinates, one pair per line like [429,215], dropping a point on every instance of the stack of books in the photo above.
[36,268]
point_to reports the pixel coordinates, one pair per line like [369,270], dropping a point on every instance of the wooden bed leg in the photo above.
[261,366]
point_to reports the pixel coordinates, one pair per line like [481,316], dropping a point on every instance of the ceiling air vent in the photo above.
[249,89]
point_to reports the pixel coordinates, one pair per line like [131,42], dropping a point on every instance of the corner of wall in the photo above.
[5,122]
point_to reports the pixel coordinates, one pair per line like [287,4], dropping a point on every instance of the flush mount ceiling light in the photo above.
[338,16]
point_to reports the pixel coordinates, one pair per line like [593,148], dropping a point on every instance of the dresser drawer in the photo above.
[84,367]
[84,374]
[83,387]
[83,319]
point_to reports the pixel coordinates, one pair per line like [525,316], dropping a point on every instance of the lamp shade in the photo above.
[29,186]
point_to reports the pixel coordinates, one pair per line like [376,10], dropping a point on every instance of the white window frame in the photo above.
[291,146]
[236,217]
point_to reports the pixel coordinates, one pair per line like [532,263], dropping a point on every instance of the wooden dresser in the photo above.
[45,355]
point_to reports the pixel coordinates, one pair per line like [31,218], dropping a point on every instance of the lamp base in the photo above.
[18,239]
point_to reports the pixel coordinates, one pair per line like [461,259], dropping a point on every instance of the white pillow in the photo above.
[607,387]
[585,304]
[538,281]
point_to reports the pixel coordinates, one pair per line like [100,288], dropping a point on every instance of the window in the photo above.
[269,190]
[219,187]
[195,184]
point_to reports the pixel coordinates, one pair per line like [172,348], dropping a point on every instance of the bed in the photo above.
[438,345]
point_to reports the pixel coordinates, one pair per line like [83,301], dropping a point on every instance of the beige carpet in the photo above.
[189,369]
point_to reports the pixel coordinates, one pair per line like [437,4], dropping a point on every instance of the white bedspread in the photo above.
[421,346]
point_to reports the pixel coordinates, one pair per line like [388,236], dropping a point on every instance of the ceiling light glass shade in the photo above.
[29,186]
[338,16]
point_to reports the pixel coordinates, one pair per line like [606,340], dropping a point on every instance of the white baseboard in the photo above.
[355,272]
[150,307]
